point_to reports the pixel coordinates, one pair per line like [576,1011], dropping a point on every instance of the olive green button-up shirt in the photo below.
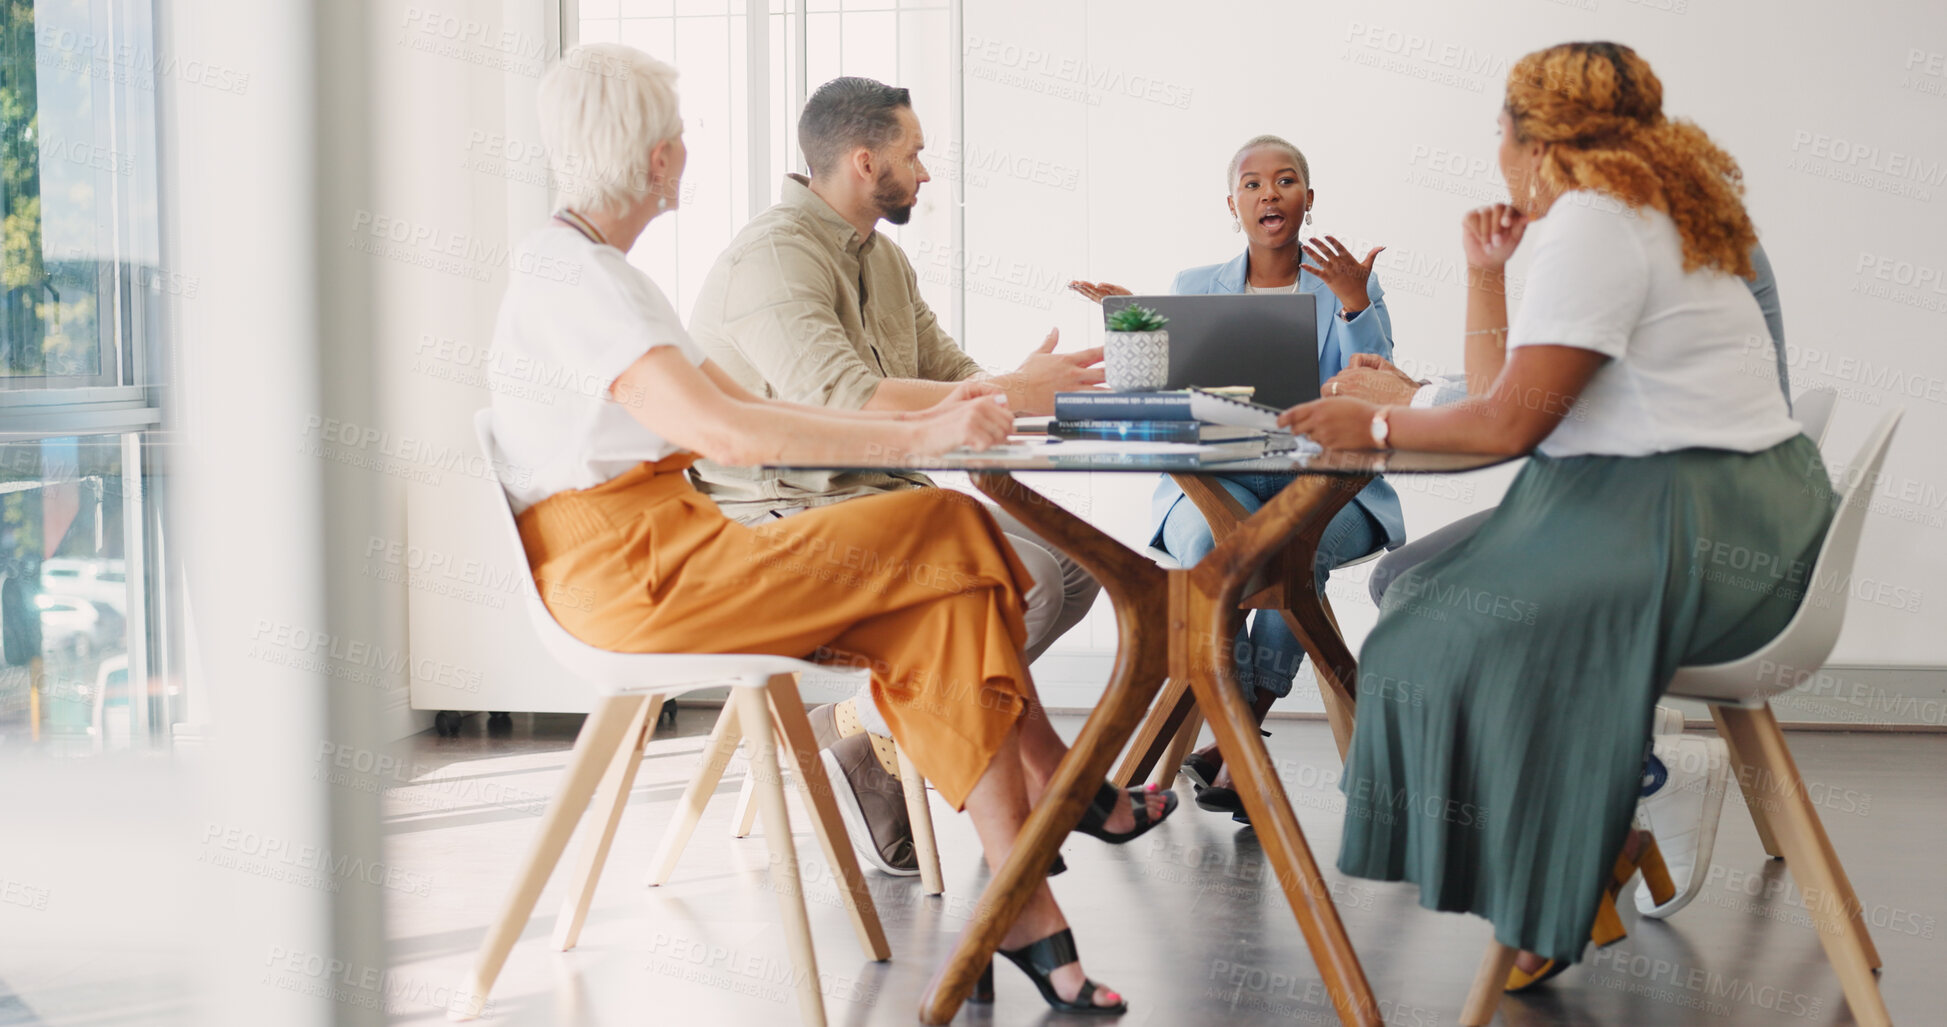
[800,308]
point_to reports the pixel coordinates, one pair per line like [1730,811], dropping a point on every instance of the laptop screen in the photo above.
[1268,341]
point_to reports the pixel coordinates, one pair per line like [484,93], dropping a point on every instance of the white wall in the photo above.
[1098,134]
[1094,144]
[467,183]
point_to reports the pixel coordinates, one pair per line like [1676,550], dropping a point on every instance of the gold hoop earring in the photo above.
[1532,196]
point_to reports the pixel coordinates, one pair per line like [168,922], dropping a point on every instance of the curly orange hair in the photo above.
[1599,109]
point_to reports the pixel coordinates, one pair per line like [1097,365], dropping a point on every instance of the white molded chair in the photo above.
[1740,692]
[1812,409]
[608,750]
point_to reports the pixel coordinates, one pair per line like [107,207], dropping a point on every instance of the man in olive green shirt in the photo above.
[810,304]
[803,308]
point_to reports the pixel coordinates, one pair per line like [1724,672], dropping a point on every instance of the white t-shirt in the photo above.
[1692,363]
[575,316]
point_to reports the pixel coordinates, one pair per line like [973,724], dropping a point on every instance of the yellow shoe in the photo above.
[1608,928]
[1520,980]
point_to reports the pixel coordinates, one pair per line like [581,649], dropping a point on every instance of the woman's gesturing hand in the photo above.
[1335,423]
[1373,378]
[980,422]
[1341,272]
[1490,235]
[1096,290]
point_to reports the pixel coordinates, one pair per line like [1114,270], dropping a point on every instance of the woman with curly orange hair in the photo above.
[1509,684]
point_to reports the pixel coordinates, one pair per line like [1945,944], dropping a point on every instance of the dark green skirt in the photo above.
[1506,694]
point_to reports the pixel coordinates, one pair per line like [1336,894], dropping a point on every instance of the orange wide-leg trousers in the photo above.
[920,586]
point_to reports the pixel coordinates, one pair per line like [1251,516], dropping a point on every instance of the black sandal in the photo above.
[1223,800]
[1099,811]
[1038,961]
[1200,771]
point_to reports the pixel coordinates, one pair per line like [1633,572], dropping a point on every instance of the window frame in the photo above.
[757,84]
[39,407]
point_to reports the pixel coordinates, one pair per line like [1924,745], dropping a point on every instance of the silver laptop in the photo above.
[1265,340]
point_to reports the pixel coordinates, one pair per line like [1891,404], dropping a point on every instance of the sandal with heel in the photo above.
[1099,811]
[1201,772]
[1608,928]
[1039,961]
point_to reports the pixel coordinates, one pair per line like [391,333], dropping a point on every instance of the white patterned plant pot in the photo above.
[1136,361]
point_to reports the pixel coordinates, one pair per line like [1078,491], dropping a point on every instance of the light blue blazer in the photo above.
[1370,332]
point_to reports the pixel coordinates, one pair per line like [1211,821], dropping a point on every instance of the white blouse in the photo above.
[575,316]
[1692,363]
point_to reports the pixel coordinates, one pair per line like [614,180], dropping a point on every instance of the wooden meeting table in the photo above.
[1262,560]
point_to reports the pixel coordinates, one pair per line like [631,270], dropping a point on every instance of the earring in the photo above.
[1531,192]
[662,203]
[1236,224]
[1308,217]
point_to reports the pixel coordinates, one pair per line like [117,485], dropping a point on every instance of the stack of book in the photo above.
[1237,428]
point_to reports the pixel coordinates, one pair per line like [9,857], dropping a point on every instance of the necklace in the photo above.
[582,225]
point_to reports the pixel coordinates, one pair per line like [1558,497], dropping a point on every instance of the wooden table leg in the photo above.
[1307,615]
[1160,735]
[1166,769]
[1289,589]
[1138,591]
[1332,664]
[1171,712]
[1201,601]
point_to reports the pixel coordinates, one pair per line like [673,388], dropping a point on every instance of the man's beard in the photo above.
[894,205]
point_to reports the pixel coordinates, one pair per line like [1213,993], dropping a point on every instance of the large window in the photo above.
[82,306]
[733,169]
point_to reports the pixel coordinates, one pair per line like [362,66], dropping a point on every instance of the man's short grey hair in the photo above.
[1278,143]
[602,109]
[845,114]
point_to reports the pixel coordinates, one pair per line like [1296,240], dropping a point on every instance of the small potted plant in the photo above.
[1136,350]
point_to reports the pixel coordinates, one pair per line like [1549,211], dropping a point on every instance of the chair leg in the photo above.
[595,747]
[744,819]
[716,756]
[611,798]
[801,752]
[1164,776]
[785,879]
[1754,801]
[919,813]
[1809,855]
[1492,979]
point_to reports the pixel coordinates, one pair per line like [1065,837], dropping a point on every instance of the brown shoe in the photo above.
[824,724]
[873,805]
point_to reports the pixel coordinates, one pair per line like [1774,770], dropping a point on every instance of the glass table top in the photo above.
[1042,453]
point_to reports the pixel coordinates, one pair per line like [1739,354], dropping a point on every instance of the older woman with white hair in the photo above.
[920,585]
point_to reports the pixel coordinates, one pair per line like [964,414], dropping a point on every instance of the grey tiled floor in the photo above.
[1182,921]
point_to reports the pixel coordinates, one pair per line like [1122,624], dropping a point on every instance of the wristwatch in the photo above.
[1380,429]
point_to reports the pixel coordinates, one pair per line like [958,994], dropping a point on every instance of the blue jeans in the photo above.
[1268,654]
